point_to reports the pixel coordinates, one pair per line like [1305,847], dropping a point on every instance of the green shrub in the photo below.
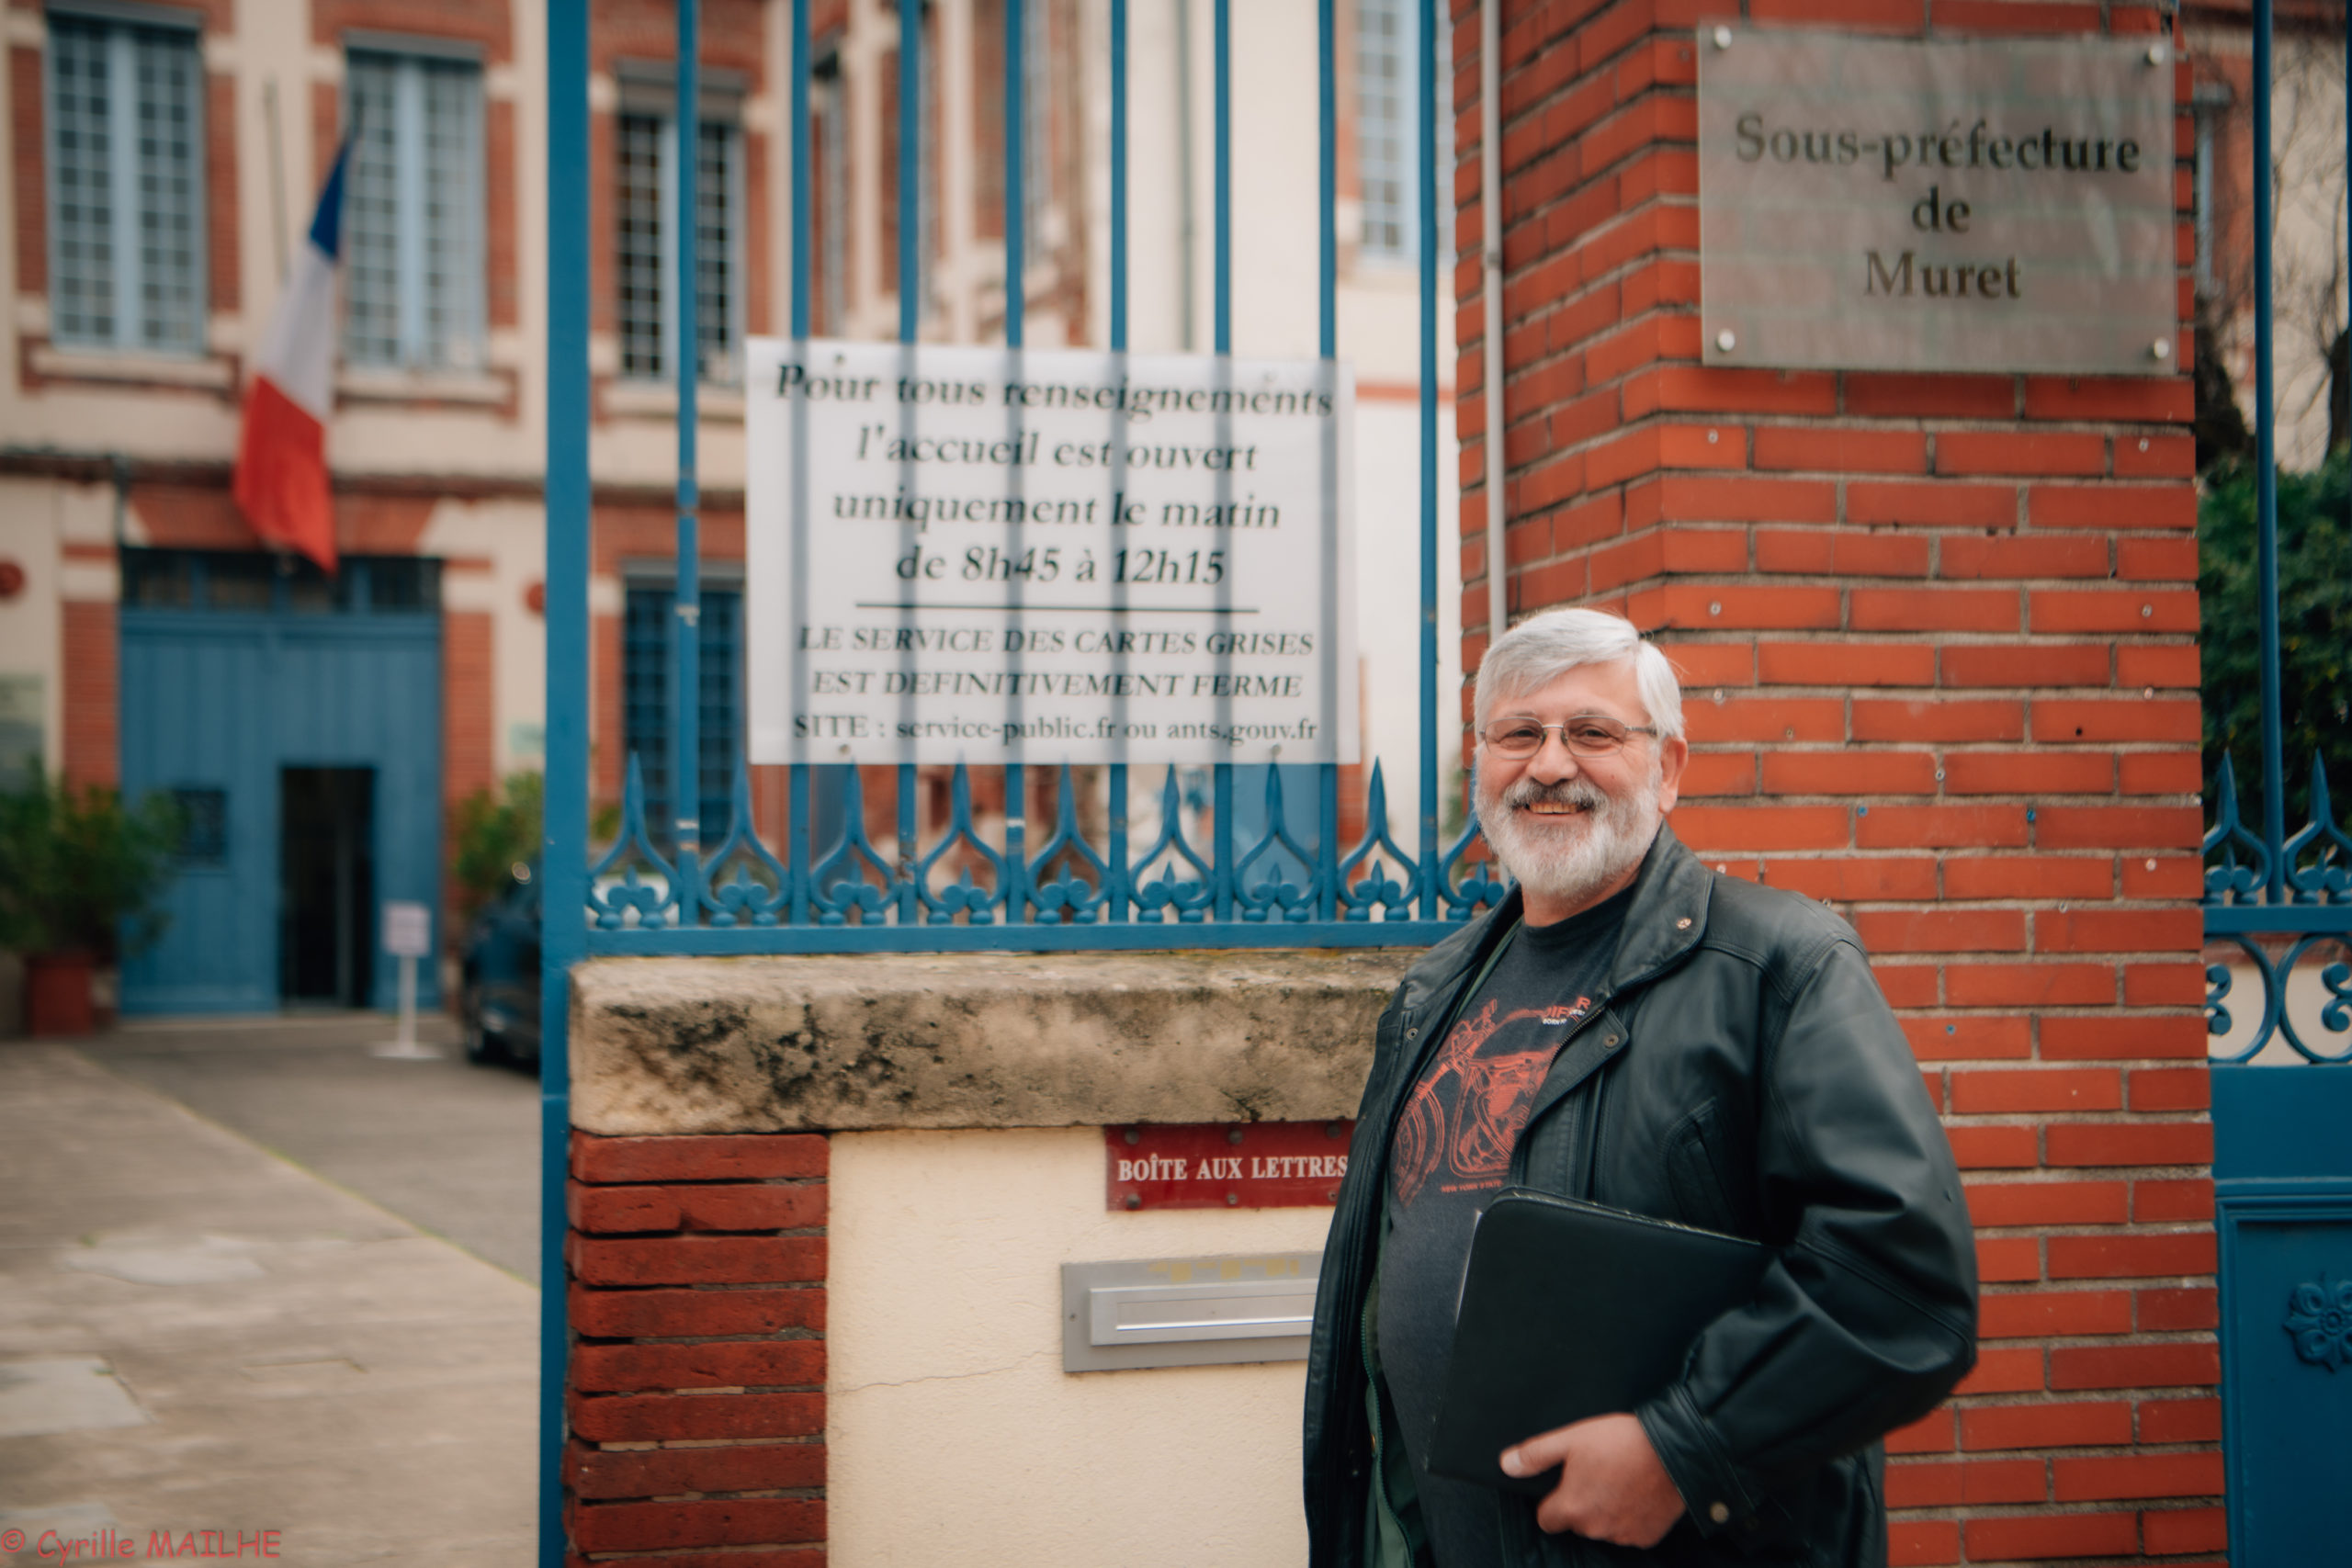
[495,832]
[2314,633]
[80,870]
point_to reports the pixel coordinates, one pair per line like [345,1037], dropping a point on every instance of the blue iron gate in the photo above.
[235,671]
[2283,1161]
[1265,872]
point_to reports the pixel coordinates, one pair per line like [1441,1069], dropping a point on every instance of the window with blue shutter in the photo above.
[1387,130]
[413,213]
[647,272]
[649,623]
[126,191]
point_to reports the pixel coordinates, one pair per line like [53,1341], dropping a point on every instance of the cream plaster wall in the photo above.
[1388,602]
[31,624]
[952,1434]
[512,535]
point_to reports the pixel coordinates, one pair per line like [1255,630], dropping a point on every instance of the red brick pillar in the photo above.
[696,1397]
[1938,639]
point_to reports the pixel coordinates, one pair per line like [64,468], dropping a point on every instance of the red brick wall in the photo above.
[1938,635]
[469,714]
[92,683]
[696,1268]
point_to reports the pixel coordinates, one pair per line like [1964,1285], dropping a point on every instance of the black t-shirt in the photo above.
[1452,1147]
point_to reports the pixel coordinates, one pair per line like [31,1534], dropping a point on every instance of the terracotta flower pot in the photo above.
[57,993]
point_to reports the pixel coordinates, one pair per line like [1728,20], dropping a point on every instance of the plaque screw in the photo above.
[1133,1136]
[1723,38]
[2161,348]
[1135,1200]
[2155,54]
[2152,864]
[1716,608]
[1725,339]
[2146,611]
[1233,1137]
[1233,1199]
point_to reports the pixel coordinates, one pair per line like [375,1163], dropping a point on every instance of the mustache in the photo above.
[1576,792]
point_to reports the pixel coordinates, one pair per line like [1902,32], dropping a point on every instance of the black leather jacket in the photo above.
[1742,1073]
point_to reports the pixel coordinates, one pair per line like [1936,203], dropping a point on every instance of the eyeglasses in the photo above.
[1585,735]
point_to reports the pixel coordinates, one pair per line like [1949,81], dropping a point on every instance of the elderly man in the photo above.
[1632,1028]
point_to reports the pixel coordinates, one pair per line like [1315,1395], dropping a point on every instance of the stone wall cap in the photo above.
[843,1041]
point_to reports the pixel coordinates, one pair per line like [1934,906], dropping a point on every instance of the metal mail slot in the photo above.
[1188,1312]
[1159,1314]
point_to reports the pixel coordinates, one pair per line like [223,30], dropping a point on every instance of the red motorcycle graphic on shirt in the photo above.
[1466,1114]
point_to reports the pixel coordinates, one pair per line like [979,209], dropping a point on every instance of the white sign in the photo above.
[408,930]
[984,555]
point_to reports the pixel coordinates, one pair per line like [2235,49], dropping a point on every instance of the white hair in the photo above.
[1542,649]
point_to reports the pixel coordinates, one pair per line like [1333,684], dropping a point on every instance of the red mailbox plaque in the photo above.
[1223,1165]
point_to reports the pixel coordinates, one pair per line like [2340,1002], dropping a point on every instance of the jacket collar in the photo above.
[1667,918]
[1669,915]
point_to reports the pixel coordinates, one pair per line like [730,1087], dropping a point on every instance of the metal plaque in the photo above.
[1999,205]
[1188,1312]
[1219,1165]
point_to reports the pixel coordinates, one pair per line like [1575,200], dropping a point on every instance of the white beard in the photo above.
[1571,859]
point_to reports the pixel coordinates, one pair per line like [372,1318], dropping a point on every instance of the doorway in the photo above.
[326,935]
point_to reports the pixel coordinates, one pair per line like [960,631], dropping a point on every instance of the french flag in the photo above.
[281,481]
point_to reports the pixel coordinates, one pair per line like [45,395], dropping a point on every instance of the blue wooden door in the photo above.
[222,692]
[2283,1183]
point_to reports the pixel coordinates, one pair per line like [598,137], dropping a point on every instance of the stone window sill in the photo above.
[75,364]
[422,387]
[659,400]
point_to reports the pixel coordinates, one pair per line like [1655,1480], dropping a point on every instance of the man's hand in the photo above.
[1611,1487]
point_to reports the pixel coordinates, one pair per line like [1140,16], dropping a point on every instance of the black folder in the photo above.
[1568,1309]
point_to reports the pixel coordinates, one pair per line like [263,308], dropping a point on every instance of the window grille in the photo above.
[831,204]
[203,824]
[125,187]
[413,213]
[1037,128]
[1383,121]
[1388,155]
[649,630]
[649,263]
[239,582]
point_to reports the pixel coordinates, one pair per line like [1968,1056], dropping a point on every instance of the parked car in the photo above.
[498,1001]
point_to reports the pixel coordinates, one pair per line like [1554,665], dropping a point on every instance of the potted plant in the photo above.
[82,876]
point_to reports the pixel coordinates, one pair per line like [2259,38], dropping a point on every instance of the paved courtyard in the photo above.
[253,1278]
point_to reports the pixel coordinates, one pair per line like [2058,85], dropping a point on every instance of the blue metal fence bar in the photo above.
[1010,880]
[909,321]
[563,866]
[996,936]
[1426,76]
[799,853]
[1116,885]
[1327,283]
[686,686]
[2274,790]
[1222,878]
